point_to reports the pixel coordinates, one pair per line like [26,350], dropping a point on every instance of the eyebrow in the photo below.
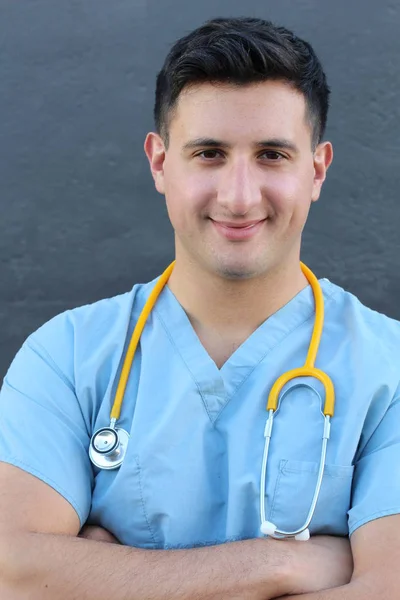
[279,143]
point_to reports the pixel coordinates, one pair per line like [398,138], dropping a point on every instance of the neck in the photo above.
[226,306]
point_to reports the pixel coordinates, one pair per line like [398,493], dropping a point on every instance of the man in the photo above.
[241,108]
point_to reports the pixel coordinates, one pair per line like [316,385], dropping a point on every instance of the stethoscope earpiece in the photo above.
[304,536]
[108,447]
[268,528]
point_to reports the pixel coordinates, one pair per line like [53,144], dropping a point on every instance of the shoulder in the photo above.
[91,334]
[373,332]
[86,323]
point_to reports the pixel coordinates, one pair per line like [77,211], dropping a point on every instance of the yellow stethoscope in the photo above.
[108,445]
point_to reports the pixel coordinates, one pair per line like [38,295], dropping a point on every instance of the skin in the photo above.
[43,553]
[236,180]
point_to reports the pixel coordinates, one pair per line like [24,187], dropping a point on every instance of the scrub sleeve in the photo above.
[42,428]
[376,483]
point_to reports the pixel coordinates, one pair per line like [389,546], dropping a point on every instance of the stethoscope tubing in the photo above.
[102,459]
[281,533]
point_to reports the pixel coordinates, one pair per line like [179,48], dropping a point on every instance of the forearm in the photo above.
[50,567]
[355,590]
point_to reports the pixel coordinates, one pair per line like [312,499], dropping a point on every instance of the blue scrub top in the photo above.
[192,471]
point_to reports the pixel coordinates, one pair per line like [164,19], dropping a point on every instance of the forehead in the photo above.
[272,108]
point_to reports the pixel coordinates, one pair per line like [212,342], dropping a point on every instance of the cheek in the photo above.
[187,195]
[289,194]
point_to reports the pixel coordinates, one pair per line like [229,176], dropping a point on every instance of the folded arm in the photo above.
[43,557]
[376,554]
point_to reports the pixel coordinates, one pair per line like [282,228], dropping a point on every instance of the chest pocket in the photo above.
[293,494]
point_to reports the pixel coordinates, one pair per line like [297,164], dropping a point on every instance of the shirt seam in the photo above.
[361,455]
[54,364]
[185,363]
[59,372]
[143,502]
[30,398]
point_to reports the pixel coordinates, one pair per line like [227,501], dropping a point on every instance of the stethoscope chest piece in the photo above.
[108,447]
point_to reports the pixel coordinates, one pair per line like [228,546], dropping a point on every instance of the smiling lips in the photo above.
[238,231]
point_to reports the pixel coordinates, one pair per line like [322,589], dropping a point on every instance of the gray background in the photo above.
[80,219]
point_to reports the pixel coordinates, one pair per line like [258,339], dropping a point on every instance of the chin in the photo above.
[237,272]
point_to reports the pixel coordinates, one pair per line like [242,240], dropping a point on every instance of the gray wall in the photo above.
[80,219]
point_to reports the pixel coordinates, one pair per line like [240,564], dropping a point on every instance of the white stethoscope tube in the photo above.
[267,527]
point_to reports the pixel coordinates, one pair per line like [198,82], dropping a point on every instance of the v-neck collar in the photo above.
[218,386]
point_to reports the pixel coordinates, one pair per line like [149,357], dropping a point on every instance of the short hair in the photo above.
[242,51]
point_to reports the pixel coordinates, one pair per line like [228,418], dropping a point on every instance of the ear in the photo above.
[323,157]
[155,152]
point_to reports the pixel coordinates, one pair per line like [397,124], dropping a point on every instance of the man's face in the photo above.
[239,176]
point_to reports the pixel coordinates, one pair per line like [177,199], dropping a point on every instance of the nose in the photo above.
[239,189]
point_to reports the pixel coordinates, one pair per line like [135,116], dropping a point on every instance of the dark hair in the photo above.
[241,51]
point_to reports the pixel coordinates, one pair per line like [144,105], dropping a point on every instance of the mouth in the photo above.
[238,231]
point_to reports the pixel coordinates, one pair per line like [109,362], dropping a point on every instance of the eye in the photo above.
[272,155]
[209,154]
